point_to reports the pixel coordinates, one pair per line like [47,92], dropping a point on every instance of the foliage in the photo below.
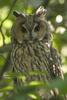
[57,18]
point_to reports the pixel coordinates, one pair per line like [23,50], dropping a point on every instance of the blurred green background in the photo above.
[56,17]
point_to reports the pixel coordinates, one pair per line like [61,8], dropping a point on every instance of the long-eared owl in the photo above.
[31,47]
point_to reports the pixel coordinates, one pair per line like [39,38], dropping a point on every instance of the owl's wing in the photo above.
[55,64]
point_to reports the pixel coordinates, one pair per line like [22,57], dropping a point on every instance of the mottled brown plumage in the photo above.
[32,50]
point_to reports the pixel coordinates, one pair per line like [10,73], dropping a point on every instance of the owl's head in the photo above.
[30,27]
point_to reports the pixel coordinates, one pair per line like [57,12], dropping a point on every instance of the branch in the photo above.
[6,66]
[5,48]
[13,4]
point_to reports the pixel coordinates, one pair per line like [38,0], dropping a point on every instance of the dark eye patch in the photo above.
[23,29]
[37,27]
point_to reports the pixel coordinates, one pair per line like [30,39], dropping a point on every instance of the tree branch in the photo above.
[5,48]
[13,4]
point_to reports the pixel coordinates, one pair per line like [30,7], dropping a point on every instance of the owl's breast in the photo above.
[31,57]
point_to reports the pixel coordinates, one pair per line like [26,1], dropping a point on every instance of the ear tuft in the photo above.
[16,13]
[41,11]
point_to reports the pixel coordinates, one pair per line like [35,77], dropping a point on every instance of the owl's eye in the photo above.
[23,29]
[37,28]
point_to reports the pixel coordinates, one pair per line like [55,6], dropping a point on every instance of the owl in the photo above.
[31,48]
